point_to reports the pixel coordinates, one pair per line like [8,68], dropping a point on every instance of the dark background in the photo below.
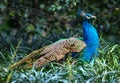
[41,22]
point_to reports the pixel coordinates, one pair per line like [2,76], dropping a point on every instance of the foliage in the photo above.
[41,22]
[58,16]
[106,68]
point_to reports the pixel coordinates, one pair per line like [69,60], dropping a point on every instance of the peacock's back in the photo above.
[53,52]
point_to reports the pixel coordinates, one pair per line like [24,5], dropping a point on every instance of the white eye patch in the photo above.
[87,17]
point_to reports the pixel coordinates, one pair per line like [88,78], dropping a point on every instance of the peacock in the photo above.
[90,37]
[59,49]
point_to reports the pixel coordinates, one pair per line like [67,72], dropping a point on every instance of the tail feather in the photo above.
[27,59]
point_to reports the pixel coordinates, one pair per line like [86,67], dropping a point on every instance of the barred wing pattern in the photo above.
[53,52]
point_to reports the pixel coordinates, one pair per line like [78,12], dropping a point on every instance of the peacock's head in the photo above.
[89,16]
[86,16]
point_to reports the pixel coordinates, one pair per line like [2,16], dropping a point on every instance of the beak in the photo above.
[93,17]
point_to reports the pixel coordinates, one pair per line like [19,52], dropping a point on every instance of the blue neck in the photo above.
[91,39]
[90,33]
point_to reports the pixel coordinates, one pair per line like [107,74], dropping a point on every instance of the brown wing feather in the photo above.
[27,58]
[55,51]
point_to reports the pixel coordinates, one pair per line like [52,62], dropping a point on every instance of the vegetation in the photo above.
[26,25]
[106,69]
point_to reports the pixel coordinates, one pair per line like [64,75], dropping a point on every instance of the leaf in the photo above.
[74,3]
[59,7]
[30,28]
[2,7]
[12,13]
[4,27]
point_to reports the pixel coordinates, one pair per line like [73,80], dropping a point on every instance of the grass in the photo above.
[105,69]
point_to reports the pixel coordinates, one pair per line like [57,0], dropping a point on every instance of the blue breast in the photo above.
[91,39]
